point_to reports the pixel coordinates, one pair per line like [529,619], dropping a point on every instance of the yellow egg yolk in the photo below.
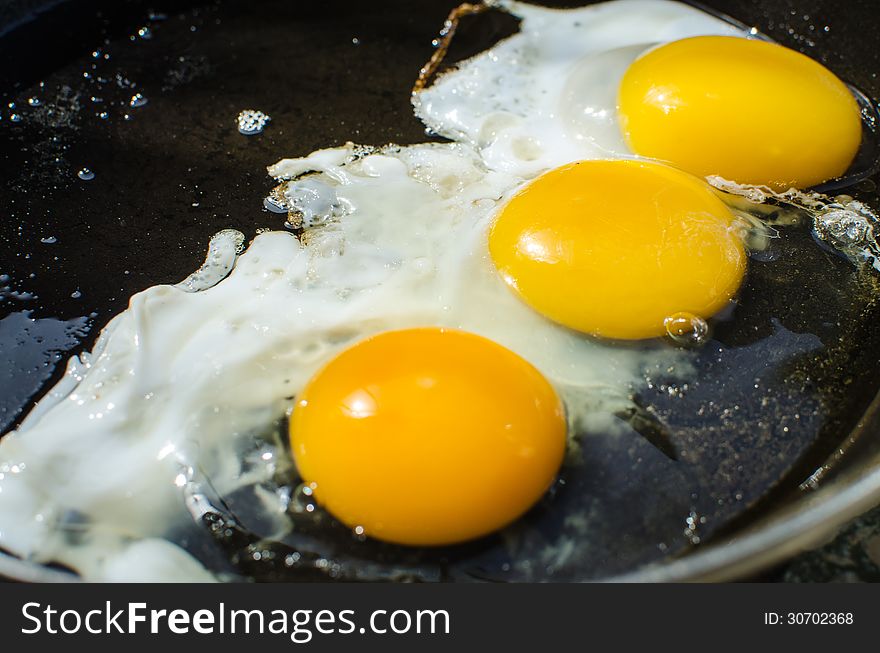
[614,248]
[428,436]
[750,111]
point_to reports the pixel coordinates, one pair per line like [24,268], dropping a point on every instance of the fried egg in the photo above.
[747,110]
[651,78]
[428,436]
[579,255]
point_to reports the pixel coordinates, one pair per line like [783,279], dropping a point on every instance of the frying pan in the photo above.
[723,503]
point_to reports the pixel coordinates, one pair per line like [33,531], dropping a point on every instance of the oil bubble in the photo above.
[274,205]
[85,174]
[844,226]
[251,121]
[137,100]
[764,255]
[687,329]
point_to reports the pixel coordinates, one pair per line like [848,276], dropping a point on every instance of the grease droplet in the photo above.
[251,121]
[687,329]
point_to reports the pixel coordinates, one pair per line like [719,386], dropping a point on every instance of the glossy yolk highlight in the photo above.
[750,111]
[428,436]
[613,248]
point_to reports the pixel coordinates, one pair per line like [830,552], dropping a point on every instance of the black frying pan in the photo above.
[176,171]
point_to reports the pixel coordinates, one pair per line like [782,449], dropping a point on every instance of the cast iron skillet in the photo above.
[175,171]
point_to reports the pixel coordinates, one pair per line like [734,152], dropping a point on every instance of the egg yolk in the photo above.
[750,111]
[428,436]
[614,248]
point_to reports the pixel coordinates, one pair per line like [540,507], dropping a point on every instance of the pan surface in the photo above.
[104,196]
